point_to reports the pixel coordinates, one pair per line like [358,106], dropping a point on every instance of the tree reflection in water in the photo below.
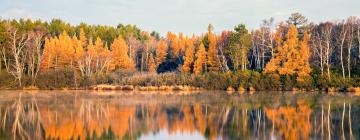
[221,116]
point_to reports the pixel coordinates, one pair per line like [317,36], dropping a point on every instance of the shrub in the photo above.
[271,81]
[288,82]
[7,80]
[215,81]
[62,78]
[307,83]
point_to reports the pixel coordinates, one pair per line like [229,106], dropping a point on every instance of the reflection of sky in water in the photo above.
[165,135]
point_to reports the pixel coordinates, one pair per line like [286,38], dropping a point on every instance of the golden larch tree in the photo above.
[58,52]
[65,50]
[200,60]
[82,37]
[151,65]
[48,54]
[213,62]
[182,43]
[291,57]
[303,59]
[161,52]
[189,56]
[78,51]
[174,44]
[120,56]
[78,48]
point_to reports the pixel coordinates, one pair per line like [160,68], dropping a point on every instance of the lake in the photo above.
[177,115]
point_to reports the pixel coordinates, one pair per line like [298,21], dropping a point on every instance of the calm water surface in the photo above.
[178,116]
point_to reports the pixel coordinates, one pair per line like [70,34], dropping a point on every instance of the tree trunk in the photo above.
[358,36]
[351,35]
[328,60]
[349,59]
[321,60]
[341,52]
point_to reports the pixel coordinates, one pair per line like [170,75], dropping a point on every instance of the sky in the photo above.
[187,16]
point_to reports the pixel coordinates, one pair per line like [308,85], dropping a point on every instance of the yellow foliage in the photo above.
[291,57]
[189,56]
[200,60]
[120,57]
[152,66]
[161,52]
[212,54]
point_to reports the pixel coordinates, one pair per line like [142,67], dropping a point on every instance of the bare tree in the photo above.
[264,42]
[222,43]
[340,42]
[358,35]
[351,23]
[34,52]
[4,57]
[328,51]
[18,42]
[318,49]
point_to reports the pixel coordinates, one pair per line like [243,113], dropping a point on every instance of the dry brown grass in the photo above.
[103,87]
[31,88]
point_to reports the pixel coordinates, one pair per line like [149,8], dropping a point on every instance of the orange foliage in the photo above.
[120,57]
[212,54]
[200,60]
[291,56]
[161,52]
[189,56]
[174,44]
[152,65]
[292,123]
[58,52]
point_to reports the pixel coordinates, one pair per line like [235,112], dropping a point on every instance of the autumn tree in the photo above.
[65,50]
[152,65]
[200,60]
[303,57]
[48,55]
[82,37]
[174,44]
[161,52]
[291,56]
[79,50]
[189,56]
[213,62]
[120,57]
[58,52]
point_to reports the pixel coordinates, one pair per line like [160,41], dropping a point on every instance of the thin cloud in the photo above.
[16,13]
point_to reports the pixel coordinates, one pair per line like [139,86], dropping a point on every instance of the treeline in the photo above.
[293,54]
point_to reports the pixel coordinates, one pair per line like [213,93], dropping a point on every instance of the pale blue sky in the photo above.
[187,16]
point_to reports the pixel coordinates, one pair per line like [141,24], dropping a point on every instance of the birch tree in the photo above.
[17,43]
[34,52]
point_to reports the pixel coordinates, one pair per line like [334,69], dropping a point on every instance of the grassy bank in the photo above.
[231,81]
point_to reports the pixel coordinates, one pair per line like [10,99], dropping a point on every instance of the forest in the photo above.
[295,54]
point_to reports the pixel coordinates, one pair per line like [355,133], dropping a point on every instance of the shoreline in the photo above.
[104,87]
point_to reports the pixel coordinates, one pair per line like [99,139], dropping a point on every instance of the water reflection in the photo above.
[221,116]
